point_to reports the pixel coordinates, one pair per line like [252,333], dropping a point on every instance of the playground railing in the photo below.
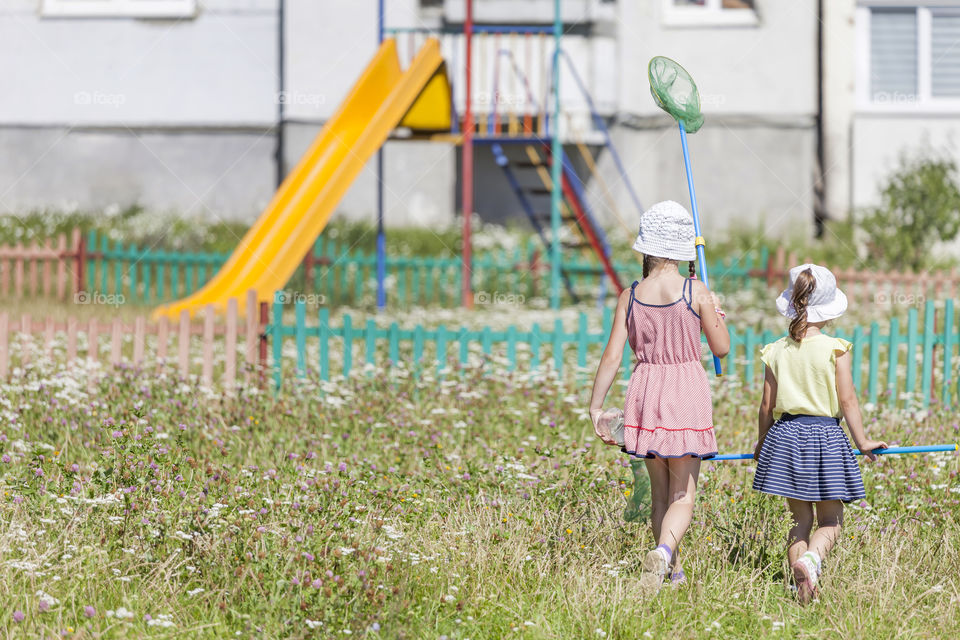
[76,265]
[894,368]
[894,365]
[93,264]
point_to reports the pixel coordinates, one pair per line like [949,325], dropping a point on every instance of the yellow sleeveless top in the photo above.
[806,374]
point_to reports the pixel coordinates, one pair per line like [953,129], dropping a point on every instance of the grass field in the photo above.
[477,506]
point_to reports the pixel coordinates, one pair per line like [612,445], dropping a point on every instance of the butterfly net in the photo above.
[675,92]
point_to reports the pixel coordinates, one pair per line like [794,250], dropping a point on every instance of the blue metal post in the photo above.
[701,256]
[556,159]
[381,235]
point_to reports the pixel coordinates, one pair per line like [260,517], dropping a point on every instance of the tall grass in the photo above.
[474,506]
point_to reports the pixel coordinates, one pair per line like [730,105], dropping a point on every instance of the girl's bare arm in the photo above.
[767,403]
[610,361]
[713,324]
[850,406]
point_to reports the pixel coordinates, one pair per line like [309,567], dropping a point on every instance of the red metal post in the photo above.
[467,165]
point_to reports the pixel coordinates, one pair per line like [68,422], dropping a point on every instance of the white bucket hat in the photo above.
[825,303]
[666,231]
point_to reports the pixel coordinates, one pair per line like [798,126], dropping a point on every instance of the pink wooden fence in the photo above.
[874,287]
[234,328]
[47,269]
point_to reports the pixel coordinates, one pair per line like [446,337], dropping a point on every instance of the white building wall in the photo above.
[218,69]
[328,44]
[181,114]
[754,160]
[170,114]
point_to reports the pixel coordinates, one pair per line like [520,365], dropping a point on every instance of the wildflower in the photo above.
[18,616]
[89,611]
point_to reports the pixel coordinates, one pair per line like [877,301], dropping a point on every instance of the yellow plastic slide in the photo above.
[275,245]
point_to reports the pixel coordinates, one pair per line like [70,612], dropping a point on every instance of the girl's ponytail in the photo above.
[646,265]
[802,288]
[693,268]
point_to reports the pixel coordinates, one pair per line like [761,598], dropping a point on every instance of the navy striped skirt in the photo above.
[808,458]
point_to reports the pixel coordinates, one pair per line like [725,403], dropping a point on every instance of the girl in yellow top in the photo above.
[802,453]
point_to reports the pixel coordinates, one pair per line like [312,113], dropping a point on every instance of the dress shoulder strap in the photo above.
[688,295]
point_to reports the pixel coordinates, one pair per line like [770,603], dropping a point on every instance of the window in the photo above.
[119,8]
[908,57]
[945,55]
[893,55]
[680,13]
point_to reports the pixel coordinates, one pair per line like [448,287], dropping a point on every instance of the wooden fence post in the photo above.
[206,372]
[139,337]
[71,339]
[183,344]
[230,345]
[26,329]
[163,332]
[4,346]
[264,324]
[276,334]
[324,323]
[252,335]
[116,344]
[79,242]
[948,337]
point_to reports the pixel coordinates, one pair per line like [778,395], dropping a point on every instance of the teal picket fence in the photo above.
[345,276]
[144,275]
[890,365]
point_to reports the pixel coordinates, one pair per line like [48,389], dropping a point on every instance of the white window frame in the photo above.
[711,14]
[925,101]
[118,8]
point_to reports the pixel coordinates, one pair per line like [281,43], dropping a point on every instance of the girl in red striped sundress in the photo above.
[668,418]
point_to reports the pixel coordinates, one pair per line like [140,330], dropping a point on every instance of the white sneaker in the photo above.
[655,566]
[805,576]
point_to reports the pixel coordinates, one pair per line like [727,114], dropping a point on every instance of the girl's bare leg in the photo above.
[683,473]
[798,538]
[659,493]
[829,521]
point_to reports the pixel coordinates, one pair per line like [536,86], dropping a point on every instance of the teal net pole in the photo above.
[880,452]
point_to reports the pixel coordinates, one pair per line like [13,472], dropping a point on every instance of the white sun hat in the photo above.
[666,231]
[826,301]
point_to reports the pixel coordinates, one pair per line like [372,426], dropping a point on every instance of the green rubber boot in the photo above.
[638,503]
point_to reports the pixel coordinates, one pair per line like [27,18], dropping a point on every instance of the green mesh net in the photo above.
[675,92]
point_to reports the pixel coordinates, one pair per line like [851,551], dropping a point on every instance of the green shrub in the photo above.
[920,207]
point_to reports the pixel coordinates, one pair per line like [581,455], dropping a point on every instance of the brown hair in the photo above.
[802,288]
[648,263]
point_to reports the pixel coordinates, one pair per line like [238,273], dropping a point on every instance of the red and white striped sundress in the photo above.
[669,412]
